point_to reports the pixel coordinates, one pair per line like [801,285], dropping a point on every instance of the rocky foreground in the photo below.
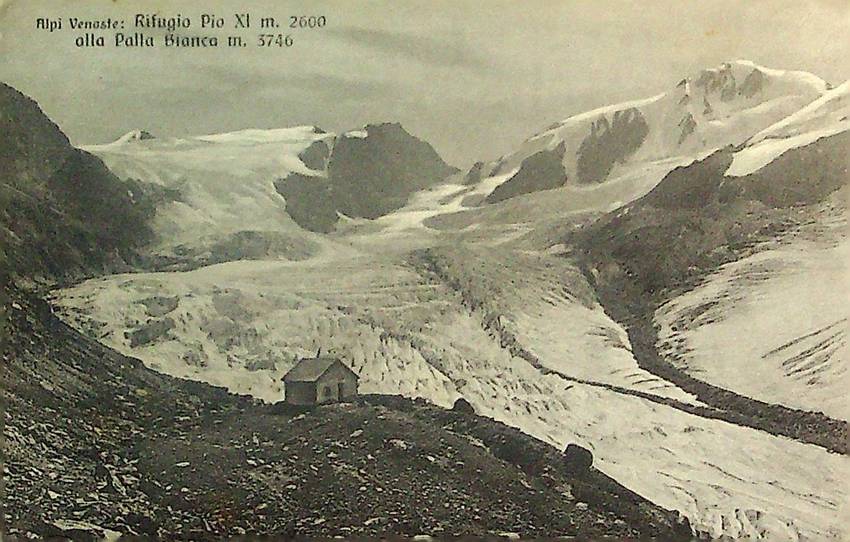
[98,445]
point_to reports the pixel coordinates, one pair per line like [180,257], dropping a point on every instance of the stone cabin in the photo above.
[314,381]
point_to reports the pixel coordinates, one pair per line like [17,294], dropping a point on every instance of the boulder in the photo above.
[577,458]
[462,405]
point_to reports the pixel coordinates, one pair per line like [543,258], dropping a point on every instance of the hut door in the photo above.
[340,390]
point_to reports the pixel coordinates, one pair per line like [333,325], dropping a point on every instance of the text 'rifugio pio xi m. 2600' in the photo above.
[169,25]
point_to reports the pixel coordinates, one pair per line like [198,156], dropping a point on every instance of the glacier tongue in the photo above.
[406,332]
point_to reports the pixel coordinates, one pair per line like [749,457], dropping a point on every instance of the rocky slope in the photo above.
[540,171]
[97,445]
[62,212]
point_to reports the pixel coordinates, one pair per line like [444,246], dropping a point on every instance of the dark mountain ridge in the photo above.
[366,176]
[62,212]
[543,170]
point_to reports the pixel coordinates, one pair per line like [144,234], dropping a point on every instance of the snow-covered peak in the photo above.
[824,117]
[744,80]
[594,114]
[225,181]
[795,76]
[706,110]
[130,137]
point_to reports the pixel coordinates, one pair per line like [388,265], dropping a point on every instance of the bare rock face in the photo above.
[137,135]
[316,155]
[309,201]
[150,332]
[540,171]
[721,80]
[368,174]
[753,83]
[374,175]
[62,212]
[688,125]
[158,305]
[610,143]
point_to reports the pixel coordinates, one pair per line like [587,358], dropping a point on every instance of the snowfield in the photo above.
[826,116]
[223,184]
[773,326]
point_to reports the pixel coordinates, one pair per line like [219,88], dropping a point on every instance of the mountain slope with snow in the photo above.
[220,194]
[708,110]
[790,297]
[773,325]
[262,193]
[62,212]
[826,116]
[364,174]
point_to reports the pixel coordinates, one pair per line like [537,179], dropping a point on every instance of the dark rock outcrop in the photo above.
[367,177]
[474,174]
[139,135]
[374,175]
[160,305]
[688,125]
[543,170]
[62,212]
[316,155]
[150,332]
[610,143]
[721,80]
[753,83]
[309,201]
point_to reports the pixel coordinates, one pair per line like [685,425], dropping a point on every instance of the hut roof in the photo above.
[311,369]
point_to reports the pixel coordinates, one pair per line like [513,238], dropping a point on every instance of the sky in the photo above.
[472,77]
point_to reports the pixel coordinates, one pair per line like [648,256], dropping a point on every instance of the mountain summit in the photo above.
[714,107]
